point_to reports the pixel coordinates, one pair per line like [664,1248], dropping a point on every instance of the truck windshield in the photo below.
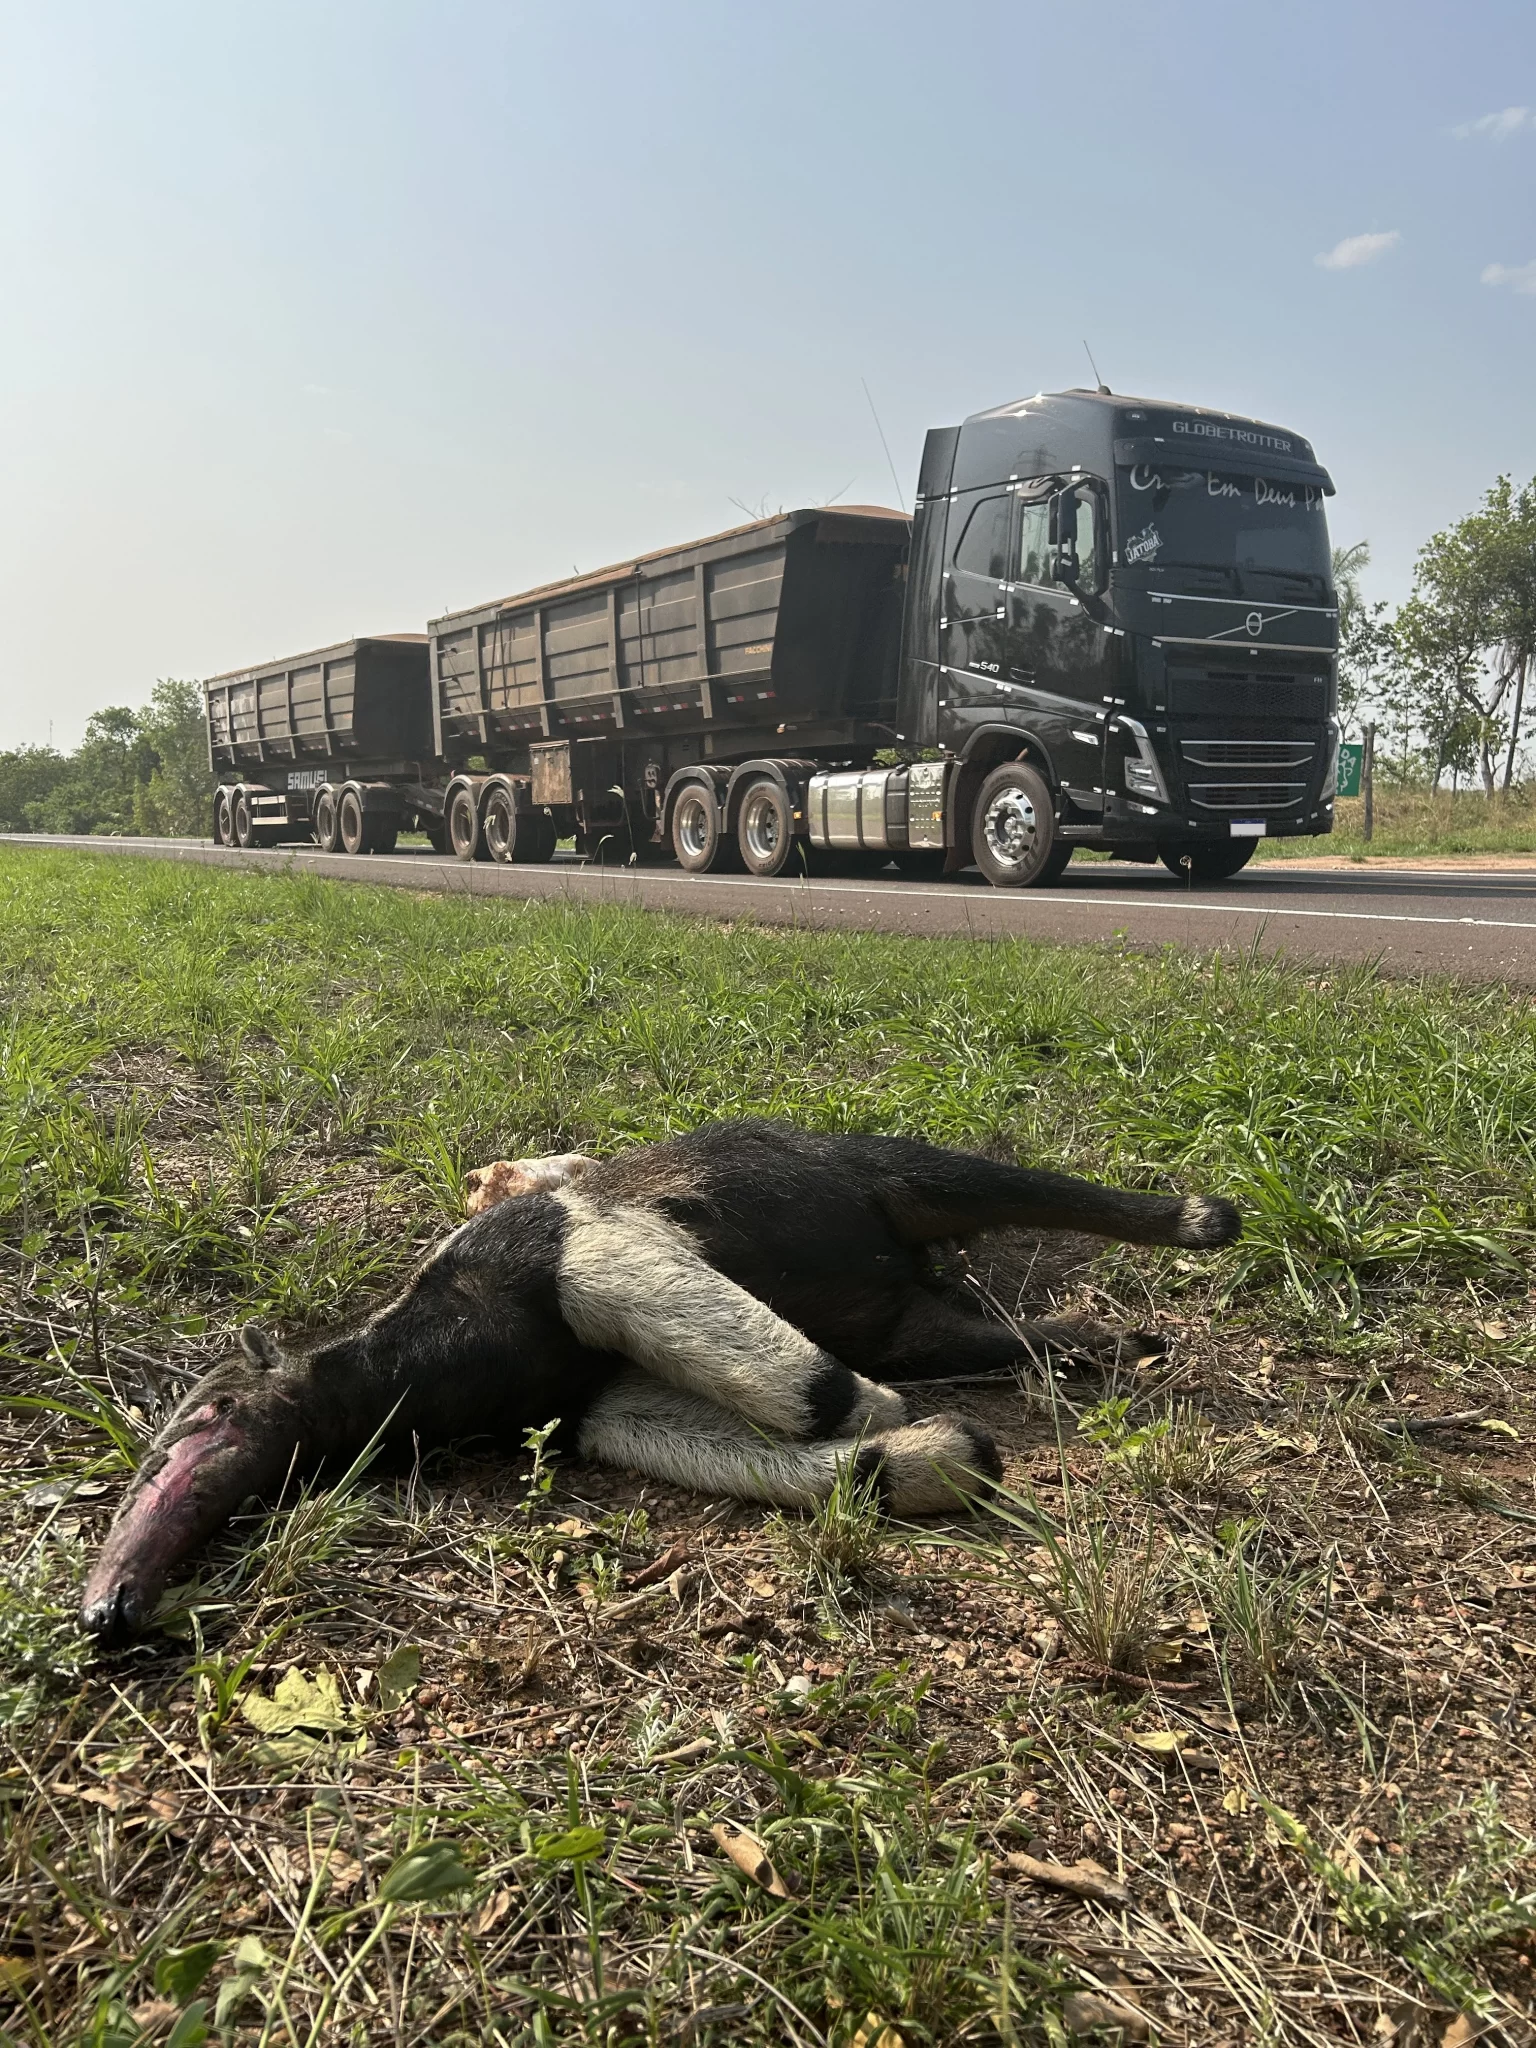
[1252,535]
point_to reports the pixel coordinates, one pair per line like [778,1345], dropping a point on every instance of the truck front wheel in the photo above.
[1013,833]
[696,834]
[765,828]
[1216,863]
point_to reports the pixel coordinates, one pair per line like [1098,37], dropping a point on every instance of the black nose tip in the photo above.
[110,1617]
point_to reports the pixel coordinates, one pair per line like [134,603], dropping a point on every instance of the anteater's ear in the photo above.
[259,1348]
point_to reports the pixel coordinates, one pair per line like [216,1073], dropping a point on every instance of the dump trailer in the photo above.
[1108,622]
[328,746]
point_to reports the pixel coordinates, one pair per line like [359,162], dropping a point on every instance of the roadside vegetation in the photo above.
[143,771]
[1411,822]
[1216,1727]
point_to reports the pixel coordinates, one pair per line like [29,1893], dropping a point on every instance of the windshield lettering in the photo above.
[1249,535]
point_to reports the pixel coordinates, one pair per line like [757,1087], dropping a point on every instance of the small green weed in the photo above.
[837,1545]
[1439,1925]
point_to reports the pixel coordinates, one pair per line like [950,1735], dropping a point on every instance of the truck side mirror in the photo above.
[1062,522]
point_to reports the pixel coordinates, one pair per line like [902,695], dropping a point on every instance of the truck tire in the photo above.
[498,822]
[765,828]
[697,839]
[1207,863]
[350,824]
[223,821]
[464,833]
[240,819]
[327,820]
[437,833]
[1013,831]
[536,837]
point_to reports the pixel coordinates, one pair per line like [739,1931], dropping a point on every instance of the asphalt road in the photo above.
[1476,924]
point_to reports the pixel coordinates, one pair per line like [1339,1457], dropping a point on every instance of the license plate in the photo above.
[1249,828]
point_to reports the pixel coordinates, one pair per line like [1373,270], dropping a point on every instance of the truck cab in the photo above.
[1130,605]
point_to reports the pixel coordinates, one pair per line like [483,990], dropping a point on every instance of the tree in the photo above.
[134,771]
[1467,635]
[174,797]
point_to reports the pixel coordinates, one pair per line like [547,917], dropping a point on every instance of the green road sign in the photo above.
[1351,754]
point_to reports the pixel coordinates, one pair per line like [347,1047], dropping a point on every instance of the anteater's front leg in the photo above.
[634,1282]
[922,1468]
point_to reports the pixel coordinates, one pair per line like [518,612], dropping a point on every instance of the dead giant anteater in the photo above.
[720,1311]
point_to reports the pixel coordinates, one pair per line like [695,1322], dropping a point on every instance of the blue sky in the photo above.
[322,318]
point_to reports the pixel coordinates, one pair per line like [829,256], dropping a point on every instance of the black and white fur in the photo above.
[723,1311]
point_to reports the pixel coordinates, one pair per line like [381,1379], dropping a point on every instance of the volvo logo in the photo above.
[1255,624]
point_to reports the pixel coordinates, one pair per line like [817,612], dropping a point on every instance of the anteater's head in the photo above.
[234,1435]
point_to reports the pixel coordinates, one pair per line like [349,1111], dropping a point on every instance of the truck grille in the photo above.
[1254,774]
[1245,693]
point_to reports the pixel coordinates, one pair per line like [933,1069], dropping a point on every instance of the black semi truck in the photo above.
[1108,622]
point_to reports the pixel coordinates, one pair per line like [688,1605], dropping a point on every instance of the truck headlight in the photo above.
[1142,779]
[1142,775]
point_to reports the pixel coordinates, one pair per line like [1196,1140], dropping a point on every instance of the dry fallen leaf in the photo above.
[750,1857]
[877,2033]
[1084,2012]
[1082,1880]
[1462,2031]
[1159,1741]
[493,1912]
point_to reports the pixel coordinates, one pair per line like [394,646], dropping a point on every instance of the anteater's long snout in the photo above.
[215,1451]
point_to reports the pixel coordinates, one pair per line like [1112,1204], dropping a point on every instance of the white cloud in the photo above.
[1521,275]
[1496,127]
[1357,249]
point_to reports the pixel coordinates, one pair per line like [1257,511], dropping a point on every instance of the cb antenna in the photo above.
[1104,390]
[895,479]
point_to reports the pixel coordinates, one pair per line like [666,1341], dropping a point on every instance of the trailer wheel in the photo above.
[1207,863]
[223,823]
[464,833]
[499,824]
[241,821]
[696,834]
[765,828]
[349,822]
[327,820]
[1013,830]
[535,837]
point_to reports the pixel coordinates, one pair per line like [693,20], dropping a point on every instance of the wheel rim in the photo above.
[1010,828]
[692,828]
[762,829]
[325,820]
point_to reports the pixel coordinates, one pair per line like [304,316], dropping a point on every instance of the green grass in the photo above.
[225,1095]
[1409,822]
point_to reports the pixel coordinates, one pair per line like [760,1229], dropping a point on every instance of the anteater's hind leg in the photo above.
[934,1340]
[927,1193]
[688,1441]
